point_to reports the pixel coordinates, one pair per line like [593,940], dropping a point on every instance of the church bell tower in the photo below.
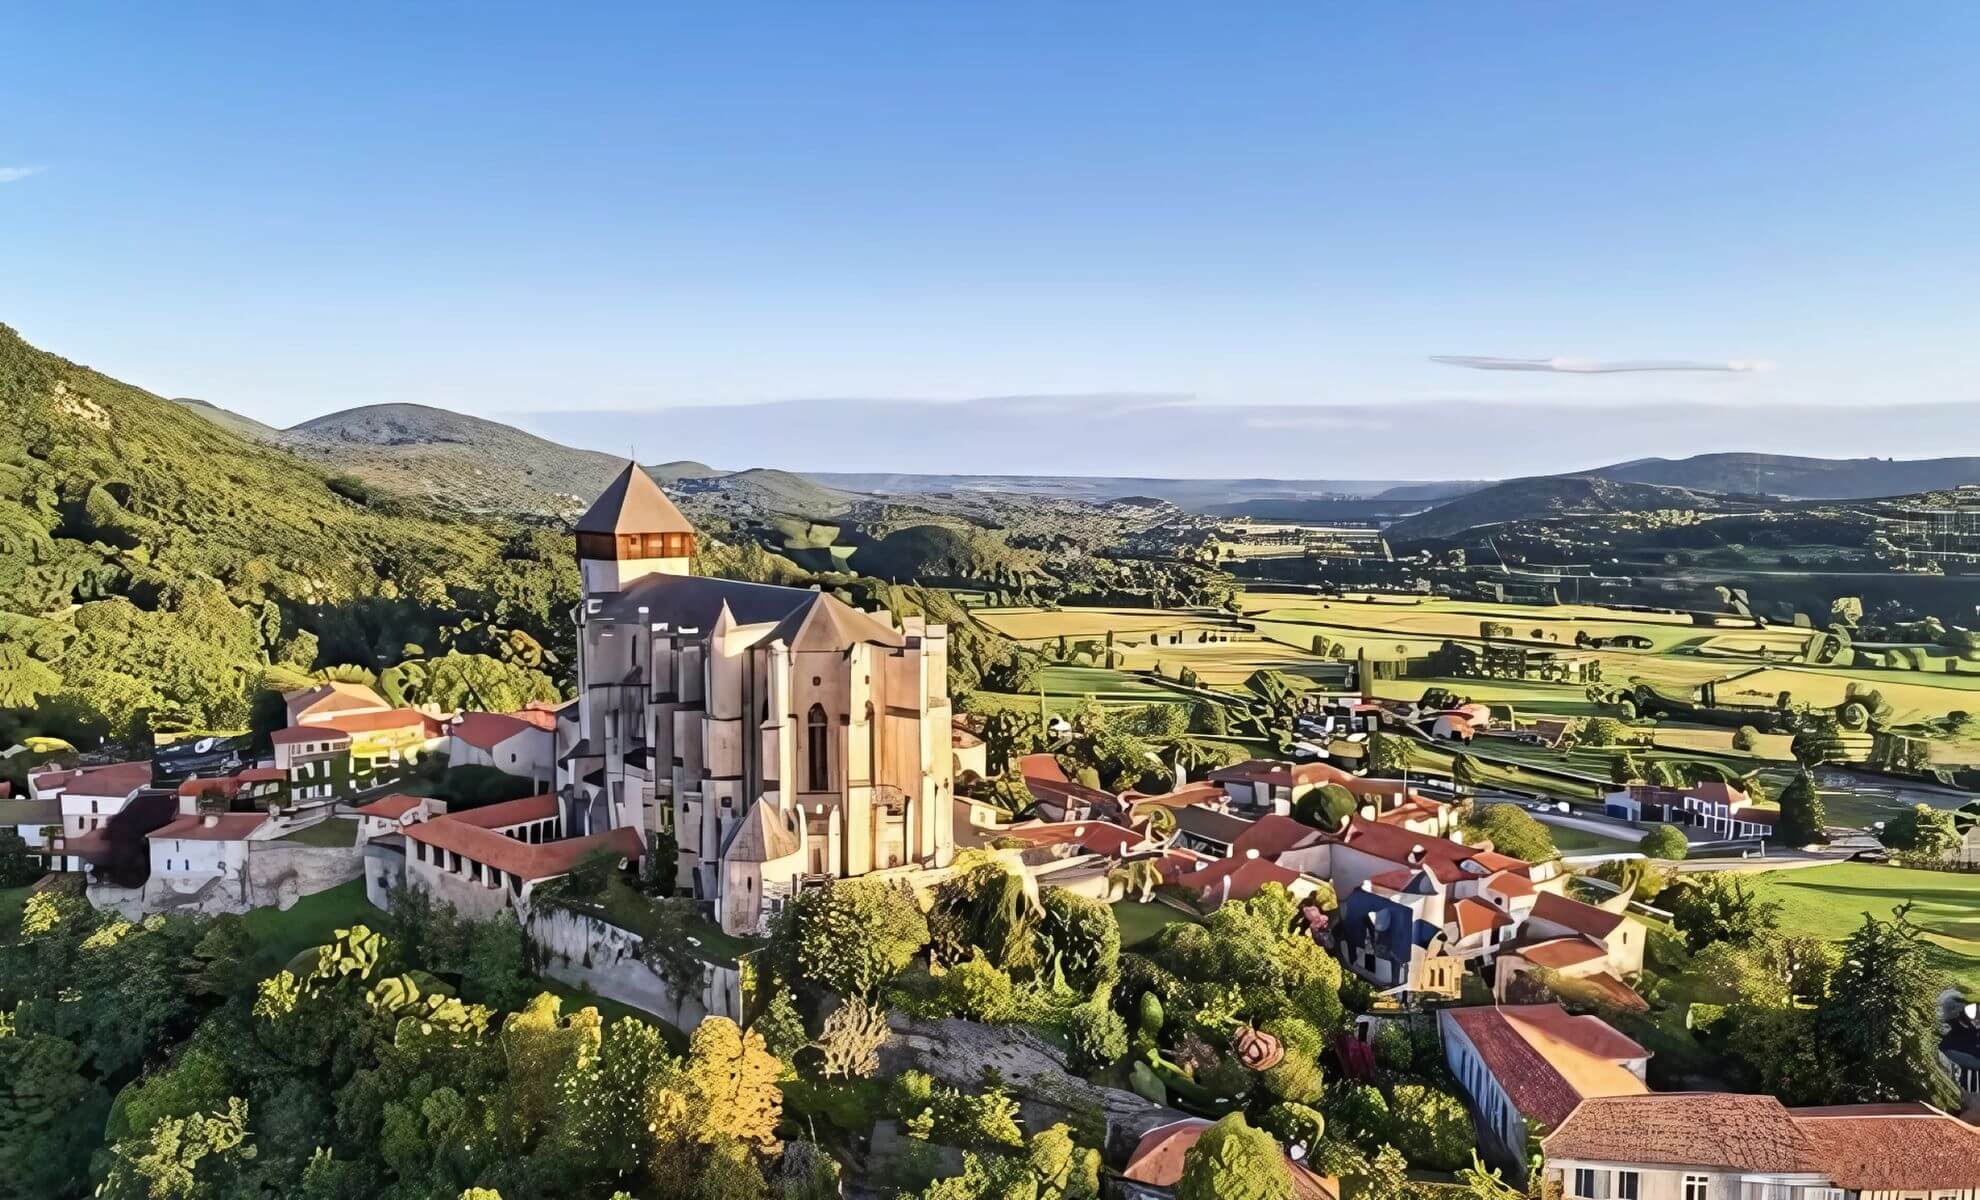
[631,531]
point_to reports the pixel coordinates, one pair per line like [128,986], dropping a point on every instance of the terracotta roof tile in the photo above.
[1555,953]
[526,861]
[372,722]
[391,807]
[1477,916]
[1272,835]
[486,730]
[508,812]
[1280,774]
[1684,1129]
[110,779]
[1573,914]
[307,733]
[1853,1146]
[1547,1061]
[225,827]
[1099,837]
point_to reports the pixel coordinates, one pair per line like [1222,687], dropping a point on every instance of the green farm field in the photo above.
[1829,902]
[1038,625]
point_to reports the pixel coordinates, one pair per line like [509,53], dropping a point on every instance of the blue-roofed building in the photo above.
[1384,940]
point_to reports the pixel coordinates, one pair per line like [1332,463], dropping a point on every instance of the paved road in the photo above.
[1776,859]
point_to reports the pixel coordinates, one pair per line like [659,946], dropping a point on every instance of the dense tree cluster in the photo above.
[156,571]
[351,1072]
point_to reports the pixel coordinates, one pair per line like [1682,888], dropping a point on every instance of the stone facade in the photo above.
[779,735]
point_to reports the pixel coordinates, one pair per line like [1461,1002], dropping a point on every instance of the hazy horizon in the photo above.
[1309,218]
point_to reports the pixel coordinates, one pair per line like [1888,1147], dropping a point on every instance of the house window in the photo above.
[1584,1184]
[817,762]
[1697,1187]
[1626,1185]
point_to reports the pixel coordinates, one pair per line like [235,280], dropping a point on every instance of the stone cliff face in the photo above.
[959,1053]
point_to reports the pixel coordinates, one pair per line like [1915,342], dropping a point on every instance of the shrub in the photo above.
[978,991]
[1394,1049]
[1097,1034]
[1664,842]
[1431,1128]
[1361,1112]
[1151,1014]
[1296,1078]
[1746,739]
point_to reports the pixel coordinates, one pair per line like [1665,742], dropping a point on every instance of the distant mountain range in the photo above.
[1799,478]
[489,466]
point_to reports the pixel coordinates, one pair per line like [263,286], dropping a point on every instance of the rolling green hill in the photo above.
[934,553]
[1541,497]
[155,565]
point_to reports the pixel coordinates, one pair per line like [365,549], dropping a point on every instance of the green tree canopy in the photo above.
[1233,1161]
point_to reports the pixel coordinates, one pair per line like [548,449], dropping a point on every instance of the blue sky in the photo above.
[530,212]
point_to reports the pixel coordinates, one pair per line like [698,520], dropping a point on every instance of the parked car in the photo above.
[1871,856]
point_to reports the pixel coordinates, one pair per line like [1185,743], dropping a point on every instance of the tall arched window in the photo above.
[818,772]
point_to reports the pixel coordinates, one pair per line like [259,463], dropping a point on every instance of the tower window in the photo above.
[818,764]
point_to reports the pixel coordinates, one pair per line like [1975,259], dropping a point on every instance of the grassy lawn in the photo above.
[312,922]
[1569,840]
[1139,921]
[1830,902]
[332,832]
[628,909]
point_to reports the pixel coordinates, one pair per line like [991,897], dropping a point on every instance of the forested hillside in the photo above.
[156,568]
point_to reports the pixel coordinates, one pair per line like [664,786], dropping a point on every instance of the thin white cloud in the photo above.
[1315,422]
[1583,366]
[10,174]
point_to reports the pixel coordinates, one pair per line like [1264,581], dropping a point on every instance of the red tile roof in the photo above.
[540,714]
[1684,1129]
[1441,856]
[326,698]
[391,807]
[1098,837]
[1246,875]
[110,779]
[230,785]
[307,733]
[1892,1147]
[1158,1161]
[521,859]
[1718,791]
[1614,991]
[1573,914]
[1041,766]
[1280,774]
[1186,796]
[1555,953]
[372,722]
[1506,883]
[509,812]
[224,827]
[1477,916]
[486,730]
[1272,835]
[1546,1061]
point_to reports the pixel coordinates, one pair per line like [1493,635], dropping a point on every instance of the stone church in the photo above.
[780,735]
